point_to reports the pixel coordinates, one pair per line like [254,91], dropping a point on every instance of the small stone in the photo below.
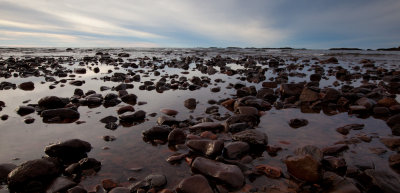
[190,103]
[108,184]
[270,171]
[296,123]
[169,112]
[194,184]
[252,137]
[304,168]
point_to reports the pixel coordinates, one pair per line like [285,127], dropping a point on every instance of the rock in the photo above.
[382,181]
[137,116]
[167,120]
[252,101]
[77,82]
[109,138]
[29,120]
[332,95]
[311,150]
[337,184]
[296,123]
[366,102]
[151,181]
[129,99]
[80,70]
[237,127]
[76,189]
[394,161]
[269,84]
[27,86]
[207,126]
[190,103]
[334,149]
[344,130]
[4,117]
[89,164]
[78,92]
[228,174]
[169,112]
[357,109]
[125,109]
[108,184]
[33,176]
[334,163]
[160,132]
[59,114]
[210,148]
[25,110]
[212,109]
[208,135]
[391,142]
[247,110]
[109,119]
[305,168]
[270,171]
[5,169]
[51,102]
[250,120]
[288,90]
[176,136]
[315,77]
[308,95]
[381,111]
[331,60]
[194,184]
[388,102]
[60,184]
[215,89]
[252,137]
[393,120]
[120,190]
[235,150]
[175,158]
[111,126]
[71,150]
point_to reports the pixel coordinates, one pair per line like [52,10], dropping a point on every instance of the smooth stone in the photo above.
[393,120]
[311,150]
[210,148]
[76,189]
[137,116]
[288,90]
[305,168]
[270,171]
[176,136]
[70,150]
[27,86]
[394,161]
[337,184]
[391,142]
[308,95]
[229,174]
[108,184]
[167,120]
[334,149]
[60,184]
[242,118]
[296,123]
[160,132]
[120,190]
[252,137]
[238,127]
[194,184]
[125,109]
[383,181]
[169,112]
[25,110]
[109,119]
[190,103]
[51,102]
[62,113]
[129,99]
[5,169]
[235,150]
[207,126]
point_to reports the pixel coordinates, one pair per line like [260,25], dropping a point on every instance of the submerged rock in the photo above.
[194,184]
[305,168]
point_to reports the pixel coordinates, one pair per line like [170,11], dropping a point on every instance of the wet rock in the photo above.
[33,176]
[334,163]
[382,181]
[137,116]
[160,132]
[228,174]
[235,150]
[58,115]
[366,102]
[80,70]
[51,102]
[111,126]
[109,138]
[337,184]
[242,118]
[207,126]
[381,111]
[308,95]
[60,184]
[332,95]
[27,86]
[344,130]
[29,120]
[394,161]
[210,148]
[311,150]
[237,127]
[387,102]
[89,164]
[167,120]
[71,150]
[288,90]
[208,135]
[391,142]
[393,120]
[156,181]
[5,169]
[25,110]
[305,168]
[269,84]
[78,92]
[120,190]
[176,136]
[270,171]
[176,158]
[109,119]
[215,89]
[76,189]
[212,109]
[334,149]
[125,109]
[77,82]
[296,123]
[331,60]
[315,77]
[190,103]
[247,110]
[169,112]
[4,117]
[252,137]
[129,99]
[108,184]
[194,184]
[252,101]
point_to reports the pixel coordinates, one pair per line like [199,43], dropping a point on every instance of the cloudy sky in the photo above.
[200,23]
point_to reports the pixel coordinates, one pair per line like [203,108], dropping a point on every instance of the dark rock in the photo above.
[111,126]
[176,136]
[4,117]
[109,119]
[194,184]
[167,120]
[382,181]
[308,95]
[207,126]
[190,103]
[160,132]
[394,161]
[89,164]
[237,127]
[71,150]
[288,90]
[151,181]
[252,137]
[228,174]
[108,184]
[387,102]
[125,109]
[248,119]
[77,82]
[269,84]
[78,92]
[76,189]
[215,89]
[331,60]
[169,112]
[27,86]
[270,171]
[29,120]
[130,99]
[25,110]
[304,168]
[33,176]
[51,102]
[337,184]
[366,102]
[296,123]
[175,158]
[109,138]
[137,116]
[210,148]
[235,150]
[391,142]
[311,150]
[212,109]
[5,169]
[346,129]
[59,115]
[120,190]
[315,77]
[334,163]
[247,110]
[334,149]
[80,70]
[332,95]
[60,184]
[252,101]
[393,120]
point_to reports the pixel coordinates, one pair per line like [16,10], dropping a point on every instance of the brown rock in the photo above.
[391,142]
[207,126]
[194,184]
[308,95]
[169,112]
[305,168]
[27,86]
[270,171]
[388,102]
[206,147]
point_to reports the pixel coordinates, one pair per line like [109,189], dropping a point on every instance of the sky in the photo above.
[312,24]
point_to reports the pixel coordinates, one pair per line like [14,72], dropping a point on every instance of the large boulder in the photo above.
[227,174]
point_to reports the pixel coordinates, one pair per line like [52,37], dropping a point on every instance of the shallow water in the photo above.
[20,142]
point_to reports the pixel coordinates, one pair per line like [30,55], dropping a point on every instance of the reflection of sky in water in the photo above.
[19,140]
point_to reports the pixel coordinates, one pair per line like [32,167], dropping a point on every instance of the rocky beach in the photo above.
[192,120]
